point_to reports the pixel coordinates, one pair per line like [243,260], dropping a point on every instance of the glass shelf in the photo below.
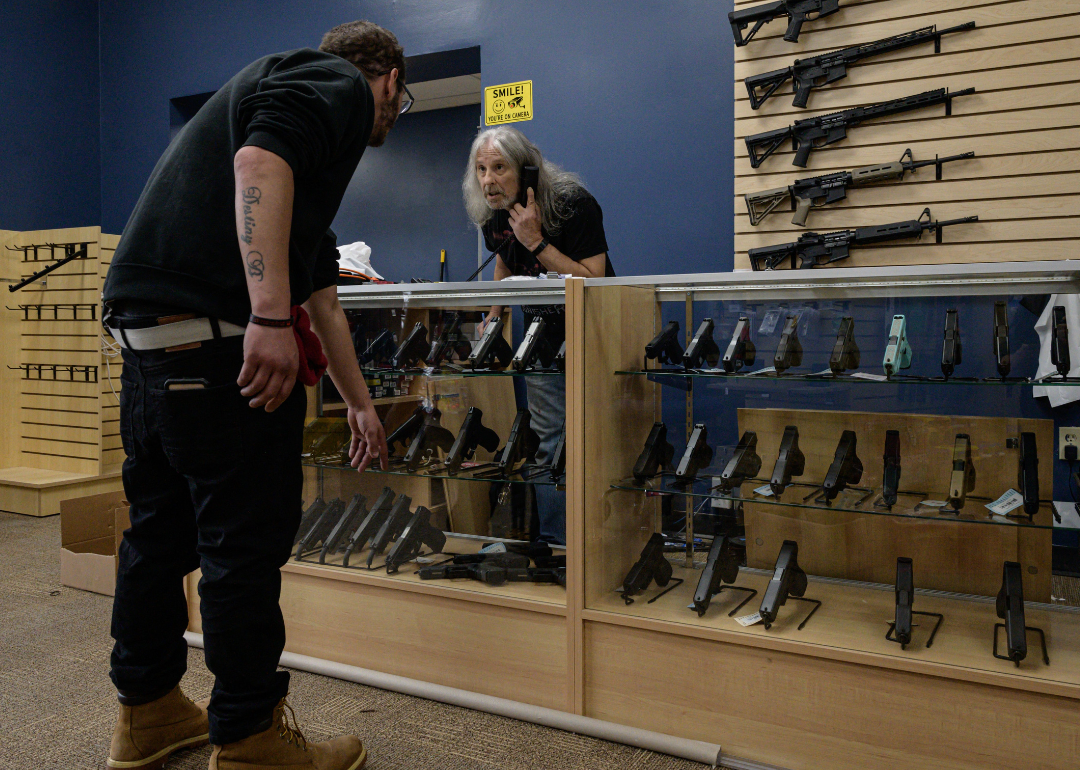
[852,500]
[872,379]
[436,471]
[448,372]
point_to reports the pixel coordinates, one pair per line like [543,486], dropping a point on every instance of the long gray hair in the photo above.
[557,188]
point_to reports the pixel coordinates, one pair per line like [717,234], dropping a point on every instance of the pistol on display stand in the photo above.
[951,350]
[1028,477]
[412,350]
[740,351]
[702,348]
[651,566]
[521,445]
[819,191]
[491,350]
[404,434]
[962,478]
[355,513]
[788,582]
[665,347]
[429,436]
[898,351]
[371,524]
[560,358]
[417,533]
[558,458]
[721,567]
[1059,342]
[656,456]
[845,353]
[790,462]
[312,539]
[900,629]
[789,351]
[743,465]
[473,434]
[890,476]
[798,12]
[451,344]
[697,456]
[1001,340]
[535,347]
[846,469]
[391,528]
[1010,608]
[380,350]
[308,518]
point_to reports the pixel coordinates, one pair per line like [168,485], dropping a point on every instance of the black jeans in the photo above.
[217,485]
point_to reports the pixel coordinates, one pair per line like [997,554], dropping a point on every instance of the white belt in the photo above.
[174,334]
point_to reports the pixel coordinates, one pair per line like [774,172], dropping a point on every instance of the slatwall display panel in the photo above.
[59,413]
[1023,124]
[10,383]
[112,450]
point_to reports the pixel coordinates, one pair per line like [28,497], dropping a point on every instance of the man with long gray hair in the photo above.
[556,228]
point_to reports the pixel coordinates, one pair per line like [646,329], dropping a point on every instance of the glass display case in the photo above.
[861,463]
[473,497]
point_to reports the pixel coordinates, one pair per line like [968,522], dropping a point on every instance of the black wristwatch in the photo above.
[536,252]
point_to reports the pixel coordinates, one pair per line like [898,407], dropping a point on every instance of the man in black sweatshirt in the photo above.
[228,240]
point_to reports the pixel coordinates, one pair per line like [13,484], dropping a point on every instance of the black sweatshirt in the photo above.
[180,250]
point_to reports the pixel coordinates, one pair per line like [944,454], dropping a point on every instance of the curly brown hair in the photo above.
[371,48]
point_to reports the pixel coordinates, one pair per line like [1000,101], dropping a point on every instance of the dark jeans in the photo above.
[217,485]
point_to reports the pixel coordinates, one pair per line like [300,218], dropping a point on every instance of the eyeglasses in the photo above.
[407,99]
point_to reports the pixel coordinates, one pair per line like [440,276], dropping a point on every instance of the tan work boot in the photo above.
[146,735]
[284,746]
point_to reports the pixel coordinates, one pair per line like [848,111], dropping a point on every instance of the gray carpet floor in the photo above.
[57,705]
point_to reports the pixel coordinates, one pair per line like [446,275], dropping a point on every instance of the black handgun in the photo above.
[473,433]
[905,597]
[448,572]
[308,517]
[790,462]
[962,479]
[832,67]
[1001,339]
[450,343]
[798,13]
[789,351]
[535,347]
[951,350]
[321,527]
[743,465]
[354,513]
[697,456]
[521,444]
[846,468]
[1059,342]
[391,529]
[788,580]
[412,350]
[430,436]
[890,476]
[403,434]
[702,348]
[740,351]
[665,347]
[560,358]
[491,350]
[417,533]
[721,567]
[845,353]
[379,351]
[651,566]
[1029,473]
[558,457]
[656,456]
[371,524]
[1010,608]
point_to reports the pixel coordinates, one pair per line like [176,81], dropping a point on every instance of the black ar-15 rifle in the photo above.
[818,191]
[807,134]
[807,74]
[818,249]
[798,13]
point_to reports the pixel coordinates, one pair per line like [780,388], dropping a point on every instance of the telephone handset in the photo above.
[529,177]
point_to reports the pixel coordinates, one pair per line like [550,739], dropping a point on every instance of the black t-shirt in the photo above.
[180,249]
[581,236]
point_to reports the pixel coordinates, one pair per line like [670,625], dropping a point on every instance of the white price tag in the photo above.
[494,548]
[868,376]
[766,370]
[934,503]
[764,490]
[749,620]
[823,373]
[1009,501]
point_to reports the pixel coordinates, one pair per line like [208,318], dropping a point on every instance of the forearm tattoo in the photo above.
[255,266]
[250,197]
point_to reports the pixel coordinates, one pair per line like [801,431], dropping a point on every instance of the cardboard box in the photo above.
[91,529]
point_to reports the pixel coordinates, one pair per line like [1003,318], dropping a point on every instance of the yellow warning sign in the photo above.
[508,103]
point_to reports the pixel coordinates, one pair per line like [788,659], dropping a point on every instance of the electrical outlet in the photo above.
[1067,437]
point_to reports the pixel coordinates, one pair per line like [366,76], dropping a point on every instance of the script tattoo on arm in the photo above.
[250,197]
[255,265]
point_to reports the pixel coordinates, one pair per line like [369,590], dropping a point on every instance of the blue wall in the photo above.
[635,95]
[49,120]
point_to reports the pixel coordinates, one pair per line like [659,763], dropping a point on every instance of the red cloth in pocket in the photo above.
[312,359]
